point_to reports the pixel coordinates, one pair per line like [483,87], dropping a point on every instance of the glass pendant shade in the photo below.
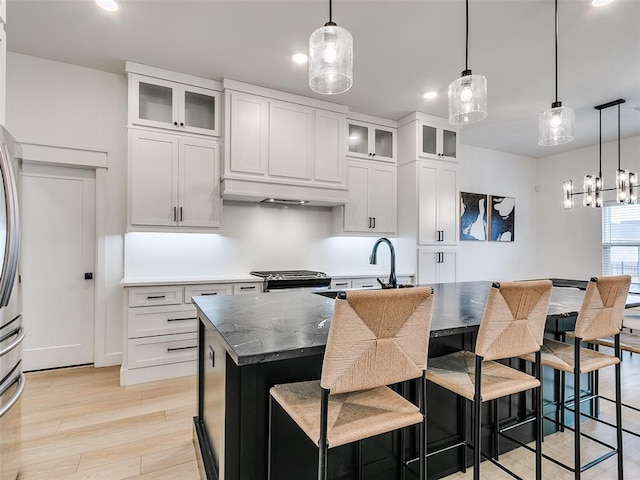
[555,125]
[330,60]
[567,188]
[467,99]
[626,186]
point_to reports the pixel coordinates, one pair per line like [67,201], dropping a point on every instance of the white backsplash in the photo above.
[256,237]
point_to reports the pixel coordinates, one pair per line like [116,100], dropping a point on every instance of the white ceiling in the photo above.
[401,50]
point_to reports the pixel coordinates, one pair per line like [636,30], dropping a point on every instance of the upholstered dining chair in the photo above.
[600,316]
[376,338]
[512,325]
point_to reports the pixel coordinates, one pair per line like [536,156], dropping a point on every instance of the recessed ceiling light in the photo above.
[430,95]
[600,3]
[300,58]
[109,5]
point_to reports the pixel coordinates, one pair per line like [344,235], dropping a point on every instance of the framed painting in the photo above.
[473,216]
[502,218]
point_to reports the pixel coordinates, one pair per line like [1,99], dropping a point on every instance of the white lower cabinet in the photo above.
[161,329]
[437,265]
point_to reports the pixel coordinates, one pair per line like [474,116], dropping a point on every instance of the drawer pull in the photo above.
[367,286]
[175,349]
[155,297]
[209,293]
[248,288]
[181,319]
[341,284]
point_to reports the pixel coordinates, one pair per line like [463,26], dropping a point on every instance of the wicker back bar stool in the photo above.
[512,325]
[600,316]
[376,338]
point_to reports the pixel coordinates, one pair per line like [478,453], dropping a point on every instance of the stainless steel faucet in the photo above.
[373,260]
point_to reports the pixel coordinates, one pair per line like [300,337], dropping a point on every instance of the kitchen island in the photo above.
[249,343]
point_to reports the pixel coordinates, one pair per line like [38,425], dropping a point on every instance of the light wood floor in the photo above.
[80,424]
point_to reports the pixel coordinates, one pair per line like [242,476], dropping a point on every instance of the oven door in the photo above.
[299,289]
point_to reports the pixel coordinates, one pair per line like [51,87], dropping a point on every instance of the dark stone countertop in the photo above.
[279,325]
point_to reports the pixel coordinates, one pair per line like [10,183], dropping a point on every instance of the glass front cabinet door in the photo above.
[175,106]
[372,142]
[437,141]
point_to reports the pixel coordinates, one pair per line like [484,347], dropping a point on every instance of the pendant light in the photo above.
[467,94]
[593,187]
[330,58]
[555,125]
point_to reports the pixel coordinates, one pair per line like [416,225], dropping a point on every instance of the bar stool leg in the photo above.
[360,462]
[563,385]
[539,428]
[422,385]
[496,427]
[477,420]
[619,408]
[463,409]
[577,415]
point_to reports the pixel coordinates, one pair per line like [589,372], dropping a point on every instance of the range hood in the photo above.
[269,191]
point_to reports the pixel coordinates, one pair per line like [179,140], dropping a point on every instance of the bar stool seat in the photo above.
[351,416]
[560,356]
[629,342]
[456,372]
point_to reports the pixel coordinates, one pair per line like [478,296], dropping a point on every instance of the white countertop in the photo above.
[204,279]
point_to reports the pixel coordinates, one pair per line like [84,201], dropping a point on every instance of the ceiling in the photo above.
[401,50]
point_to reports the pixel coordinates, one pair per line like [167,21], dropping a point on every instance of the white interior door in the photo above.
[58,249]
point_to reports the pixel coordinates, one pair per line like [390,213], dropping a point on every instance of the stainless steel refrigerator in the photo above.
[12,333]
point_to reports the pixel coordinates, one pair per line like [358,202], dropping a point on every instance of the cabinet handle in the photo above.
[180,213]
[373,154]
[209,293]
[175,214]
[247,288]
[369,222]
[175,123]
[341,284]
[181,319]
[368,286]
[374,222]
[155,297]
[175,349]
[182,124]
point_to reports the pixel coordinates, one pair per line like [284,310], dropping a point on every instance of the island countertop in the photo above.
[279,325]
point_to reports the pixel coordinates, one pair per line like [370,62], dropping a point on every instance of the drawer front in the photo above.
[247,288]
[340,283]
[213,289]
[162,350]
[150,296]
[365,283]
[165,320]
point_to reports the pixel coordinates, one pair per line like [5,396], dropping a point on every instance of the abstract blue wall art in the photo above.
[473,216]
[502,213]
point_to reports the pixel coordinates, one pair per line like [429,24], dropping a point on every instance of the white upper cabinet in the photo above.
[291,145]
[3,11]
[329,142]
[437,203]
[428,137]
[174,182]
[372,200]
[370,140]
[248,133]
[173,101]
[277,146]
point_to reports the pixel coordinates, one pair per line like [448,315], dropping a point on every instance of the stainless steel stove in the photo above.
[292,279]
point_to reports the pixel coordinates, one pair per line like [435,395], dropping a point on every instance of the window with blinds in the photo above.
[621,241]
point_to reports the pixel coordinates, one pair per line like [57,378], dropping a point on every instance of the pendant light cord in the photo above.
[331,11]
[466,48]
[556,51]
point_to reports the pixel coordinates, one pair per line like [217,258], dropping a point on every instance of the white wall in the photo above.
[52,103]
[255,237]
[570,241]
[499,173]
